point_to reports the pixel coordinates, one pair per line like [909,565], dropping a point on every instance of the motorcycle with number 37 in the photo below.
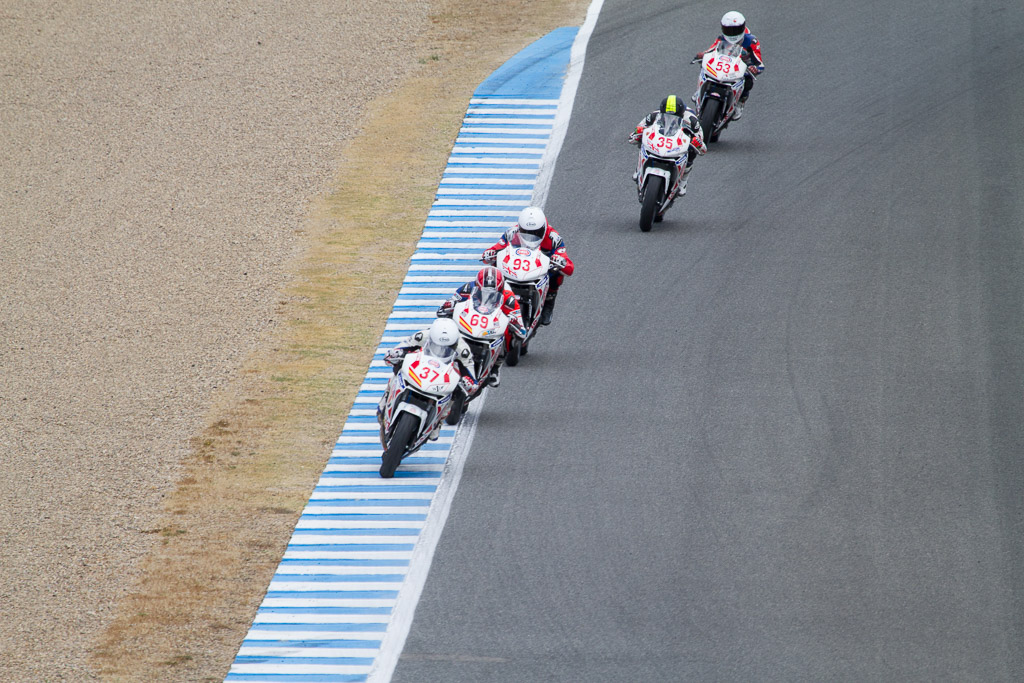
[416,400]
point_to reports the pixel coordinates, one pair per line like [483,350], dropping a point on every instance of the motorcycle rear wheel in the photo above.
[654,190]
[401,437]
[457,409]
[708,117]
[512,355]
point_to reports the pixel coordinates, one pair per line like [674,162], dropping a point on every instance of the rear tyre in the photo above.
[458,407]
[402,436]
[512,356]
[708,117]
[654,190]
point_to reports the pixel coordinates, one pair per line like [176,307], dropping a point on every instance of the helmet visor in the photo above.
[531,240]
[486,300]
[443,353]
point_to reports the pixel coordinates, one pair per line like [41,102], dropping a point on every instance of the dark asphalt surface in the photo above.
[779,437]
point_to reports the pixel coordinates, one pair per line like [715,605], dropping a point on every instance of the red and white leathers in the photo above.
[751,57]
[417,340]
[551,244]
[509,306]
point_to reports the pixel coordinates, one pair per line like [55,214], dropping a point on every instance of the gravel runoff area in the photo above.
[157,161]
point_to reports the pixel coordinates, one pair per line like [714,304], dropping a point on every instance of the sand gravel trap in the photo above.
[156,160]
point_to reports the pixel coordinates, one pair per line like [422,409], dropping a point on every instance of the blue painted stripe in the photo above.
[357,474]
[325,611]
[335,594]
[489,176]
[362,644]
[295,678]
[337,578]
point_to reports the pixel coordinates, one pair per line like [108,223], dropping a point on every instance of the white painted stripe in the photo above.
[464,170]
[565,102]
[508,161]
[475,149]
[316,618]
[521,124]
[266,634]
[426,290]
[533,113]
[331,570]
[270,651]
[485,181]
[327,602]
[478,192]
[445,256]
[491,235]
[499,138]
[312,586]
[456,201]
[515,100]
[301,538]
[315,509]
[261,668]
[312,523]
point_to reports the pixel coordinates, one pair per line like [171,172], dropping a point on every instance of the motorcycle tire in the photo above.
[525,349]
[654,190]
[457,409]
[512,355]
[708,117]
[401,437]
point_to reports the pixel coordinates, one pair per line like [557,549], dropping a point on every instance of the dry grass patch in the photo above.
[270,433]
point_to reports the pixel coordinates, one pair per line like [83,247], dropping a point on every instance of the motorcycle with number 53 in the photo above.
[720,87]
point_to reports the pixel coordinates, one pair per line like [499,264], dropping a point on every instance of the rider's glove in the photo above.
[446,309]
[558,262]
[635,135]
[467,384]
[490,255]
[753,69]
[394,356]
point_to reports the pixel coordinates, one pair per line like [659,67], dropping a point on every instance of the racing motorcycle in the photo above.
[659,168]
[417,398]
[482,324]
[526,271]
[720,87]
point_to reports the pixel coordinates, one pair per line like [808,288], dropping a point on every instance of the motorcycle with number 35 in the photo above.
[660,165]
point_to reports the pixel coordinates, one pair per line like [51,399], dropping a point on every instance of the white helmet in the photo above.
[532,226]
[734,25]
[442,338]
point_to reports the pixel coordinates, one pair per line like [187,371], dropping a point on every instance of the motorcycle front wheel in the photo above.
[708,117]
[401,437]
[654,190]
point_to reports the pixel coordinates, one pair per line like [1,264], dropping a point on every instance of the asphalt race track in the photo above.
[780,436]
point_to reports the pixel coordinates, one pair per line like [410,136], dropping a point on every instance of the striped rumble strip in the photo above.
[329,605]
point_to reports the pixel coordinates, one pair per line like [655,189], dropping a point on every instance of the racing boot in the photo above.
[737,113]
[436,433]
[682,183]
[494,379]
[549,307]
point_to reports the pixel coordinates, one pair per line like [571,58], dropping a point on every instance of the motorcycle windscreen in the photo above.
[668,124]
[445,354]
[729,49]
[486,300]
[525,240]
